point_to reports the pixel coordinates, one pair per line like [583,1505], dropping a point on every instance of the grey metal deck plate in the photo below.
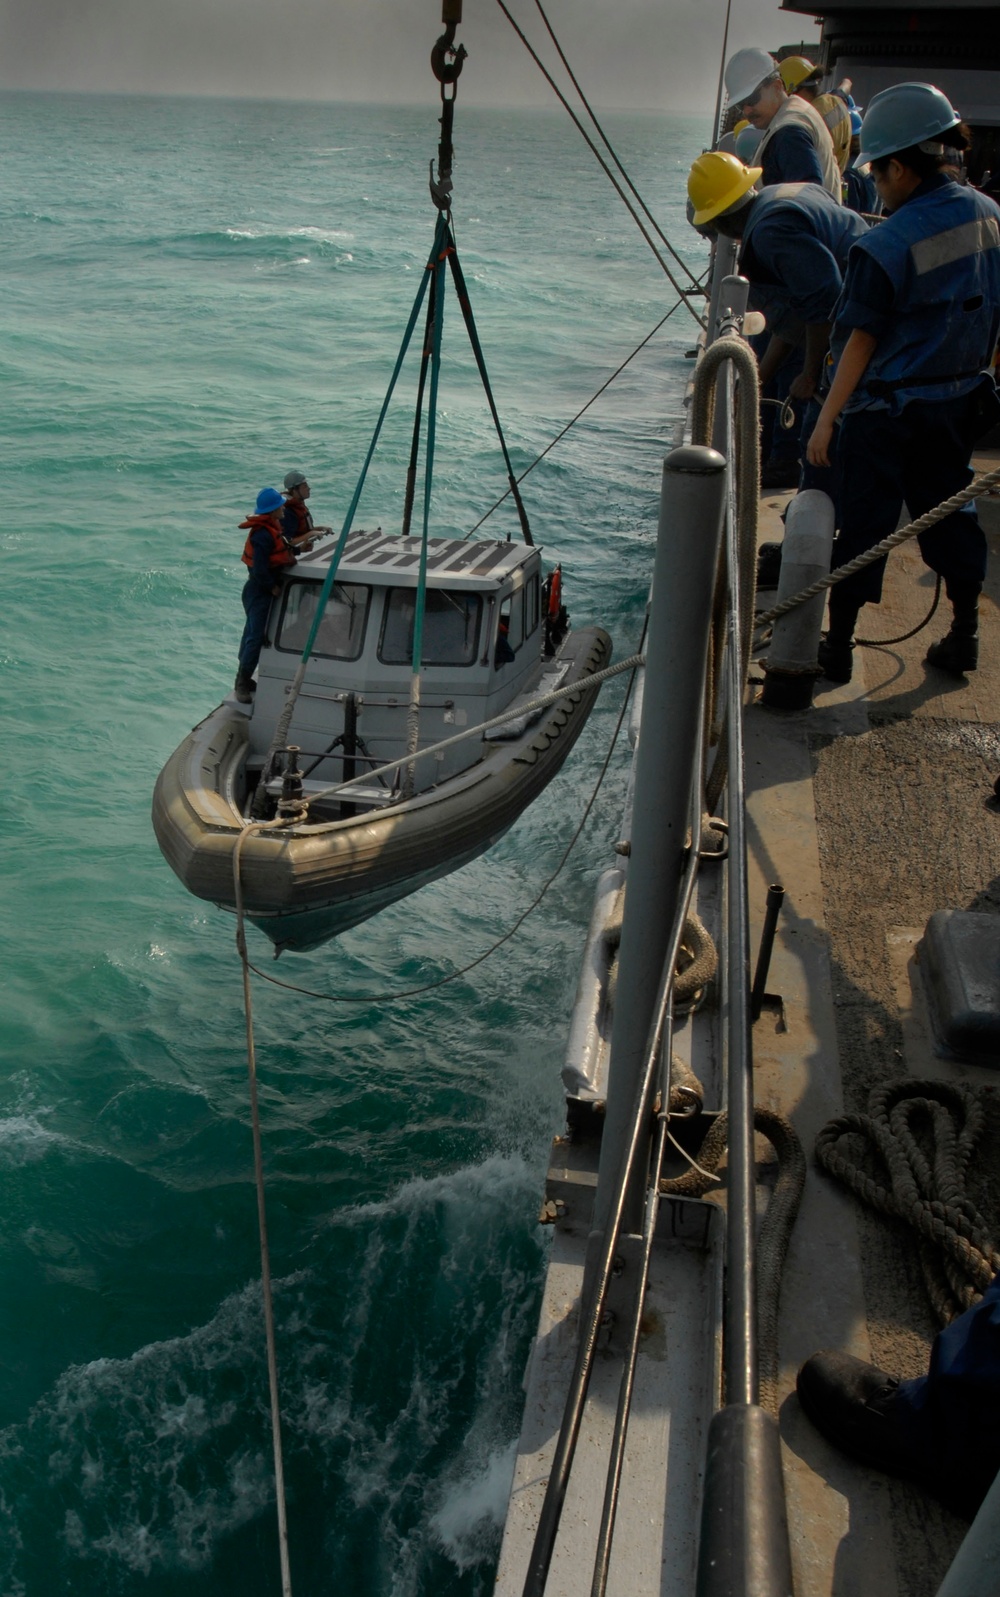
[960,959]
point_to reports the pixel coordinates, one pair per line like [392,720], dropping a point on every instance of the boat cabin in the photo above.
[482,645]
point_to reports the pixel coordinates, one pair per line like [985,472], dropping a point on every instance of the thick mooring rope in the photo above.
[920,1137]
[977,486]
[775,1230]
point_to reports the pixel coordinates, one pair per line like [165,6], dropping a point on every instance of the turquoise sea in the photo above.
[196,296]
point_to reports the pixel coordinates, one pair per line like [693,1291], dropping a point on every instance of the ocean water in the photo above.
[197,295]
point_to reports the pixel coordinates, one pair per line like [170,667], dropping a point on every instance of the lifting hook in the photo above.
[445,70]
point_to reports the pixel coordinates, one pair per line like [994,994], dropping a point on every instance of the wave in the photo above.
[390,1411]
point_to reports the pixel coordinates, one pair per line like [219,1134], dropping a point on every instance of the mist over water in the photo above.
[199,295]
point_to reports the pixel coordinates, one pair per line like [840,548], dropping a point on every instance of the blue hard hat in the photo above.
[855,122]
[268,500]
[906,114]
[747,143]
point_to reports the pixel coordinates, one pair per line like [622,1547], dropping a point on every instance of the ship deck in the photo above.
[873,809]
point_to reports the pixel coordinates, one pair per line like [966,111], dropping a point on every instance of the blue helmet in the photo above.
[268,500]
[906,114]
[855,122]
[747,143]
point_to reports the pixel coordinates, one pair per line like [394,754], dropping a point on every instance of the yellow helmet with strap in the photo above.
[795,69]
[716,181]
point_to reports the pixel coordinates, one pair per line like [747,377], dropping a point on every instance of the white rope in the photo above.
[515,714]
[902,535]
[265,1255]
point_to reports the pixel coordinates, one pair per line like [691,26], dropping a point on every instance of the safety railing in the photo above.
[694,679]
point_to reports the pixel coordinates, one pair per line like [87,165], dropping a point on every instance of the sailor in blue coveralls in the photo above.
[914,338]
[796,243]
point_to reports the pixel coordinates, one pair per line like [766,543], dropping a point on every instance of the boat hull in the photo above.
[305,886]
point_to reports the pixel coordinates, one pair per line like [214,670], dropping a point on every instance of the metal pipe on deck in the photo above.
[743,1549]
[690,530]
[740,1326]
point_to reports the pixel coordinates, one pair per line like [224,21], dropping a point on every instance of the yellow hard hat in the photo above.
[794,70]
[744,122]
[716,181]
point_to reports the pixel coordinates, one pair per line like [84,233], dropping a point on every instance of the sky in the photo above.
[641,54]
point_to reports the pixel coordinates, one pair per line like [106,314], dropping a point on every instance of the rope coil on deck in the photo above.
[924,1189]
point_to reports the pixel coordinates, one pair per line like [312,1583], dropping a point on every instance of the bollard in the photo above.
[743,1549]
[692,503]
[790,669]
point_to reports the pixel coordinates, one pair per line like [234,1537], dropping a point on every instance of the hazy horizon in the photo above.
[640,55]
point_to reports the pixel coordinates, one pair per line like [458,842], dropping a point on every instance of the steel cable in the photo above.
[610,175]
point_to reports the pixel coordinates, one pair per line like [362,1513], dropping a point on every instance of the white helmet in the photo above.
[746,71]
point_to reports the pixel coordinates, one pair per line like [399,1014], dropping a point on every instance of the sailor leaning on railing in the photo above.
[915,324]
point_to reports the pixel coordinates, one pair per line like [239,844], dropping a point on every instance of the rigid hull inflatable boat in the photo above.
[494,637]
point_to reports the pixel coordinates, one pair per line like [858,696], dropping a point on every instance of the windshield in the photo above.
[451,627]
[342,630]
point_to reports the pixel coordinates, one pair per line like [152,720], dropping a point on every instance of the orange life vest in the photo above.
[280,554]
[305,520]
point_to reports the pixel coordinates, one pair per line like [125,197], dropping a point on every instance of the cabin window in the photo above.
[531,606]
[341,633]
[451,627]
[512,613]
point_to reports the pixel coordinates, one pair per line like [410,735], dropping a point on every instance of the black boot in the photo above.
[860,1409]
[958,652]
[245,687]
[836,649]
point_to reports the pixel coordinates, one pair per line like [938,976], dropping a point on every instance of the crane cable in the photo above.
[608,145]
[685,293]
[581,412]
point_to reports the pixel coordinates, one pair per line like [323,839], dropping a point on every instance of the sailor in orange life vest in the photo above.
[267,554]
[296,519]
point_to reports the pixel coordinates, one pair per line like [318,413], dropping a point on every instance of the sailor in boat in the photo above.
[796,147]
[296,517]
[914,338]
[267,554]
[796,240]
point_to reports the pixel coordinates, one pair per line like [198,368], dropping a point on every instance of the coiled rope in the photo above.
[930,518]
[924,1189]
[730,348]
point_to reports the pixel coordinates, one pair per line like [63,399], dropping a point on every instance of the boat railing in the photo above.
[690,741]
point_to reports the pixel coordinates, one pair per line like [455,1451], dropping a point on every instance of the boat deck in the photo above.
[873,809]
